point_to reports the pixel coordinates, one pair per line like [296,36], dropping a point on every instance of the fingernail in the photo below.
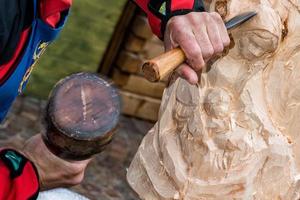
[193,79]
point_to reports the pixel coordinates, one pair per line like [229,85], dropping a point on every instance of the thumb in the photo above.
[186,72]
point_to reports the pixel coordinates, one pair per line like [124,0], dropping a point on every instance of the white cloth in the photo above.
[60,194]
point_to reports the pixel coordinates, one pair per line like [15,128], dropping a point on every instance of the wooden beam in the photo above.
[129,62]
[140,106]
[116,40]
[140,85]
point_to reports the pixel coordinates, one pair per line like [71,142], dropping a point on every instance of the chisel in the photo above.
[159,67]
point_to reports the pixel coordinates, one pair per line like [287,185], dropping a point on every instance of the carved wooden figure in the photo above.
[236,135]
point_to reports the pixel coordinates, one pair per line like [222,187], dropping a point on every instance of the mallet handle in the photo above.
[158,68]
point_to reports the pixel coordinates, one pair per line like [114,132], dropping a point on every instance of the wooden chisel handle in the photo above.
[159,67]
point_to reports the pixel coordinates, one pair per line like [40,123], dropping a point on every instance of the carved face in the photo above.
[257,38]
[230,108]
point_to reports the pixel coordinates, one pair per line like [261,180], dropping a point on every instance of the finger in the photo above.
[202,38]
[222,28]
[187,73]
[214,36]
[168,41]
[205,45]
[182,34]
[192,50]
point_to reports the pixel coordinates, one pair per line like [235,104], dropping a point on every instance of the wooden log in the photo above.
[141,28]
[152,49]
[116,41]
[155,39]
[139,85]
[81,116]
[140,106]
[129,62]
[134,43]
[120,78]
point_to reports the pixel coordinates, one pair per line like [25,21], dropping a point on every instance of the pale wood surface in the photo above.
[236,134]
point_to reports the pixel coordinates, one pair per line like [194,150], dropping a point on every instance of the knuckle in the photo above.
[194,20]
[205,17]
[218,48]
[227,41]
[174,23]
[78,179]
[195,15]
[171,25]
[216,15]
[178,30]
[77,170]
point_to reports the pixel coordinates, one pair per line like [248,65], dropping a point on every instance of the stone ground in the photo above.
[106,176]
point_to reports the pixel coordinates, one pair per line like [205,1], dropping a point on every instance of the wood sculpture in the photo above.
[236,134]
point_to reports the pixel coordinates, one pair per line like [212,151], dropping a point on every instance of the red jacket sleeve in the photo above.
[50,10]
[18,177]
[160,11]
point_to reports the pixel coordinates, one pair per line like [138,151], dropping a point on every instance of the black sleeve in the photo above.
[15,16]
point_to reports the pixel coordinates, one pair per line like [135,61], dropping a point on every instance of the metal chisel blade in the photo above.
[239,19]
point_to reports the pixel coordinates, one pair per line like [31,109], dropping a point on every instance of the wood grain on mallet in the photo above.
[82,114]
[159,67]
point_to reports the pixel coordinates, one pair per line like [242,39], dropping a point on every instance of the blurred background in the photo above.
[113,38]
[80,46]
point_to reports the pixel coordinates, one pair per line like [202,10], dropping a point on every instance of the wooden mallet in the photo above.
[81,116]
[158,68]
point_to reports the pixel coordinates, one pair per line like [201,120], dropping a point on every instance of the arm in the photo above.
[21,179]
[18,176]
[185,24]
[50,10]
